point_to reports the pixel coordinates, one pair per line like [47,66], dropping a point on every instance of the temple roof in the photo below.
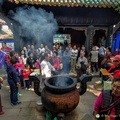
[73,16]
[73,3]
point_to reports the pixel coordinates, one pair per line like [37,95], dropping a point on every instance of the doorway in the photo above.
[77,36]
[99,38]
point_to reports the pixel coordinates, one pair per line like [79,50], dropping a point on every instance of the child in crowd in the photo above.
[37,64]
[26,73]
[19,67]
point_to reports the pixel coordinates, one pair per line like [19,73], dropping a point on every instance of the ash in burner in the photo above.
[60,81]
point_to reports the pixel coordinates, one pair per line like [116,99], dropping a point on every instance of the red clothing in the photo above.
[113,66]
[56,62]
[19,65]
[98,104]
[16,65]
[9,63]
[7,51]
[116,73]
[26,73]
[37,65]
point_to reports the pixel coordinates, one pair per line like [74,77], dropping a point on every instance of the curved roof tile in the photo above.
[72,3]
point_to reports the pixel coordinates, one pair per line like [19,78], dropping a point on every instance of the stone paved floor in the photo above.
[27,110]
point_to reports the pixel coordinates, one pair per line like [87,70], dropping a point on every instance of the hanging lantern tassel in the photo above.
[1,112]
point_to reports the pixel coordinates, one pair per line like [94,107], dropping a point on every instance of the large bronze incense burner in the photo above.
[60,94]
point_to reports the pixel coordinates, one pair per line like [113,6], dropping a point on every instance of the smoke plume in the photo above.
[61,81]
[37,24]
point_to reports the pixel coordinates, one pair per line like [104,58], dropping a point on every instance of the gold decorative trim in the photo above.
[69,3]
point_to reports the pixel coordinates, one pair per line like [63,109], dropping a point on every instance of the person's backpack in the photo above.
[83,67]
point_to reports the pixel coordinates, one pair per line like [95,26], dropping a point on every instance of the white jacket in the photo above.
[46,68]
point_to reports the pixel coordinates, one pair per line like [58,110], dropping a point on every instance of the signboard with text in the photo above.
[61,38]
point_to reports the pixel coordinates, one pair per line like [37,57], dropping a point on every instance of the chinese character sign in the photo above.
[2,58]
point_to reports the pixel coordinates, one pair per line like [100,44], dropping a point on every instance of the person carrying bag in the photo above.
[107,105]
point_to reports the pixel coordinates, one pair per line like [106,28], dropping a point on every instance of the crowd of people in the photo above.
[63,60]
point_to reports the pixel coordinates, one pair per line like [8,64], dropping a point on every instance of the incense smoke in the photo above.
[37,24]
[62,82]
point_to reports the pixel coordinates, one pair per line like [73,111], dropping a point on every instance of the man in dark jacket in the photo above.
[13,81]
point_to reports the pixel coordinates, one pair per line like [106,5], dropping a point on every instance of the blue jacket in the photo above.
[12,74]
